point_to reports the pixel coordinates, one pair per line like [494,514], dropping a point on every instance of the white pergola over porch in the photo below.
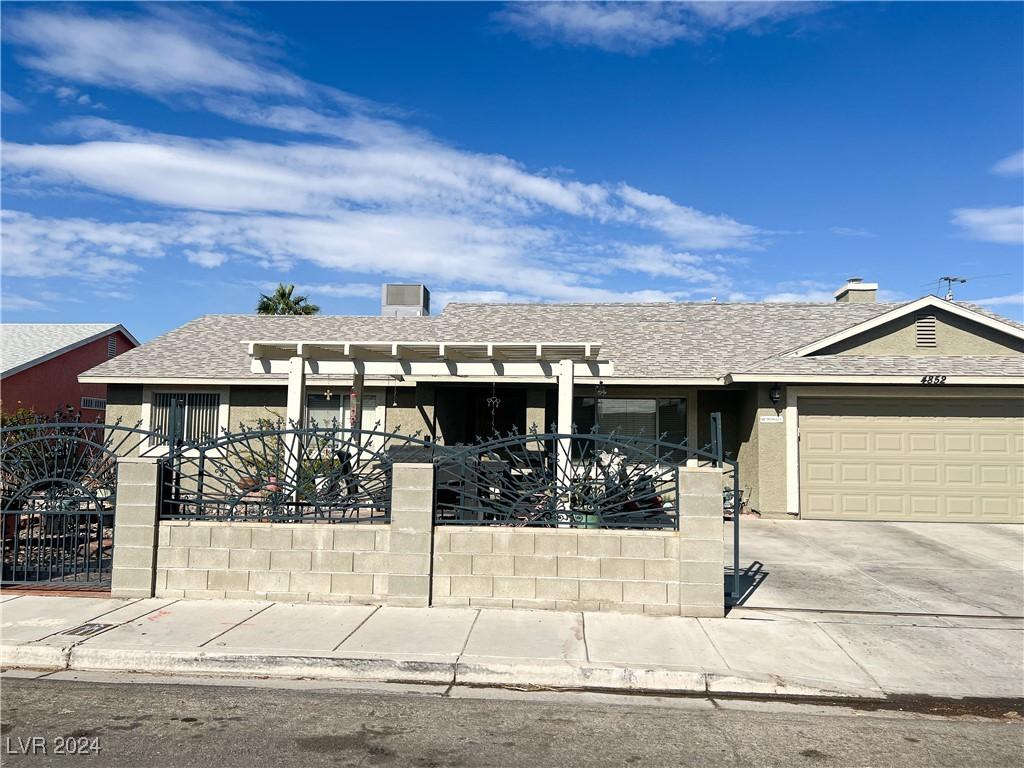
[429,361]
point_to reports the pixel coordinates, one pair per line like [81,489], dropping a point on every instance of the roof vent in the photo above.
[404,300]
[926,330]
[857,291]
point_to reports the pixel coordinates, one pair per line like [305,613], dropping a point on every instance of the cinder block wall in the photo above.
[410,562]
[295,562]
[556,569]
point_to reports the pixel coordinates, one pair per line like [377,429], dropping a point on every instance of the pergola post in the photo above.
[355,403]
[294,415]
[565,428]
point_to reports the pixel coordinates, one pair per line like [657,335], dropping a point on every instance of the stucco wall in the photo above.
[413,414]
[124,401]
[747,452]
[769,472]
[954,335]
[249,405]
[293,562]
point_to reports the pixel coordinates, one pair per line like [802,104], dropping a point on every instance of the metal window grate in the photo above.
[926,330]
[96,403]
[199,415]
[111,346]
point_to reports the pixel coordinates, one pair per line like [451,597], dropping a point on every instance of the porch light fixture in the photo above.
[775,395]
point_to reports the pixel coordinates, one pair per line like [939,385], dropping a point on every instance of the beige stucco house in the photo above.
[849,410]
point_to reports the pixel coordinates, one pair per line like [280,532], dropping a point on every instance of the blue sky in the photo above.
[166,161]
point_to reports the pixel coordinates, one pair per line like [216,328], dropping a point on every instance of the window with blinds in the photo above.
[926,336]
[198,415]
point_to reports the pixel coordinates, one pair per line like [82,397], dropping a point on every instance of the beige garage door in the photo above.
[912,459]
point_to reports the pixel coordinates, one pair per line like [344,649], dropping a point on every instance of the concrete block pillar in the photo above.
[701,552]
[136,524]
[412,535]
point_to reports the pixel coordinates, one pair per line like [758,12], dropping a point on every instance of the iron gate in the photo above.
[58,493]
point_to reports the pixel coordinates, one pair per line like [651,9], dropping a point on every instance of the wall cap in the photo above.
[137,459]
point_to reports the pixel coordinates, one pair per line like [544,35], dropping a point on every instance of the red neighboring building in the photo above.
[40,363]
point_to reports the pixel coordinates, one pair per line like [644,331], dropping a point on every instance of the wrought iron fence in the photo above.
[58,489]
[279,473]
[561,480]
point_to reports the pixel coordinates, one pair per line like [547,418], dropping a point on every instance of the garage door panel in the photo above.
[995,443]
[960,474]
[923,443]
[891,473]
[921,459]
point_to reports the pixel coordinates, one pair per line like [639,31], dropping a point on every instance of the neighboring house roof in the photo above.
[23,345]
[671,341]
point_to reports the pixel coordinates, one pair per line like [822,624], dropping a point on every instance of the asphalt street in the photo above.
[252,724]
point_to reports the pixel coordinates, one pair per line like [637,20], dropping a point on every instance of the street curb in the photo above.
[375,668]
[45,657]
[471,671]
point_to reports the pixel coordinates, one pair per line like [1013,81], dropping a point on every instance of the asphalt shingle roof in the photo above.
[667,340]
[23,343]
[895,365]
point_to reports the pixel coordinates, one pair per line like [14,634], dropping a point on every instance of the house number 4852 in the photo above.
[933,379]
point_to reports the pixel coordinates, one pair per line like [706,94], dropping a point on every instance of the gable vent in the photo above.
[926,330]
[111,346]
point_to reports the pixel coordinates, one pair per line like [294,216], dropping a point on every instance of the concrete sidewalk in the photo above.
[798,654]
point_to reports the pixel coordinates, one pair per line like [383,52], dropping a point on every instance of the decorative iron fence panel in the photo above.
[561,480]
[58,495]
[288,474]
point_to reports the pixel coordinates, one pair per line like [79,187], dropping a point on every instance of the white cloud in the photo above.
[995,301]
[1013,165]
[10,302]
[336,290]
[381,166]
[801,291]
[794,297]
[852,232]
[10,104]
[658,261]
[1001,224]
[208,259]
[42,248]
[162,53]
[628,27]
[354,189]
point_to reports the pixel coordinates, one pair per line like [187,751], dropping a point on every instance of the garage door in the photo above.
[912,459]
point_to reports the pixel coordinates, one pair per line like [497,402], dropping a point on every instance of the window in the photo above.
[197,414]
[324,412]
[926,330]
[111,346]
[653,419]
[96,403]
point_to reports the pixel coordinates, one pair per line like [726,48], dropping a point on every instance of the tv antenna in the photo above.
[950,280]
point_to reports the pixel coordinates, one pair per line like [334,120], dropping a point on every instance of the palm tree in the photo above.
[281,302]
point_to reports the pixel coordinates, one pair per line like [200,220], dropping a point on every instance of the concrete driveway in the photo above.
[952,569]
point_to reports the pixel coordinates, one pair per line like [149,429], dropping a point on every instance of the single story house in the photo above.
[852,410]
[40,363]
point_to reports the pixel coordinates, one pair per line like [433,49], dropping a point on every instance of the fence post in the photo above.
[412,535]
[701,550]
[136,523]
